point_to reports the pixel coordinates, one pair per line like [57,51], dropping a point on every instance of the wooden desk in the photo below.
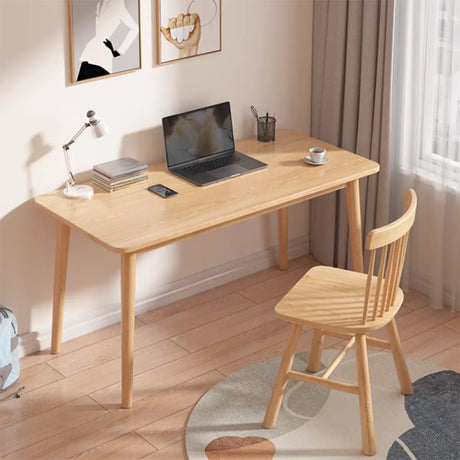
[133,220]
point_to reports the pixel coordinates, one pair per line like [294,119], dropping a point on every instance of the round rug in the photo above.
[317,423]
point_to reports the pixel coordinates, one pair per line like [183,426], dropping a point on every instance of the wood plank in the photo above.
[431,342]
[183,305]
[129,445]
[415,300]
[448,358]
[52,422]
[227,327]
[275,287]
[68,346]
[411,323]
[98,353]
[35,377]
[220,291]
[404,310]
[85,382]
[94,337]
[195,364]
[454,324]
[168,430]
[174,452]
[115,424]
[275,350]
[39,357]
[421,320]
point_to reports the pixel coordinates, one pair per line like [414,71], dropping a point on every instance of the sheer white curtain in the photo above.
[425,141]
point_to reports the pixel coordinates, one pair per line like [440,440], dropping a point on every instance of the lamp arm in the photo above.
[74,138]
[71,178]
[65,148]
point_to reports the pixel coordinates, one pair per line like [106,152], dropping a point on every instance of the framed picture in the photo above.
[104,38]
[188,28]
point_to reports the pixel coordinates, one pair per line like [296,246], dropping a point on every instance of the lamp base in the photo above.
[78,191]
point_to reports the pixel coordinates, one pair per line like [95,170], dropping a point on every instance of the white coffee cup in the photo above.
[317,154]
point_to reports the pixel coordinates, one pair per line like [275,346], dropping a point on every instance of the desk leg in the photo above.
[60,275]
[354,224]
[128,296]
[283,238]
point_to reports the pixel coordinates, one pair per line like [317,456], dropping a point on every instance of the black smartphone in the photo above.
[162,190]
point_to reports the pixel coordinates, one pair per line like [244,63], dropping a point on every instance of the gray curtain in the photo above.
[351,75]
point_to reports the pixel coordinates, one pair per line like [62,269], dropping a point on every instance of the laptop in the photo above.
[200,146]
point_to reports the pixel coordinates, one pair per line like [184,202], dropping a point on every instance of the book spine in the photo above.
[119,181]
[111,188]
[120,176]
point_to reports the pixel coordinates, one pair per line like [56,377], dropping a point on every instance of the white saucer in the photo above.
[310,162]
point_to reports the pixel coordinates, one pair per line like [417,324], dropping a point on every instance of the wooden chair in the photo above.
[349,304]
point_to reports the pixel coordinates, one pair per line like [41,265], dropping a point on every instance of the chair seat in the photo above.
[332,299]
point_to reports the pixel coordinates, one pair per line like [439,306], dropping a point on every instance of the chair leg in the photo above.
[314,361]
[399,360]
[271,415]
[365,402]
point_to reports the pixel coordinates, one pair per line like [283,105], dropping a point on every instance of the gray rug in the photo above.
[317,423]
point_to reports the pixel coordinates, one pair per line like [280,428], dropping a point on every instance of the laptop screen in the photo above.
[198,134]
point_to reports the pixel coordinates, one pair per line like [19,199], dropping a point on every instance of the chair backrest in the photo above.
[389,244]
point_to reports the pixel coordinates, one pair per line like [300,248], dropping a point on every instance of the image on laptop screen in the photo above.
[197,134]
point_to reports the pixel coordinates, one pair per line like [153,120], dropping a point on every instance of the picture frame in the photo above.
[105,38]
[188,28]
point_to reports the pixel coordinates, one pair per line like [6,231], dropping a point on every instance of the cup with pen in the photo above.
[265,126]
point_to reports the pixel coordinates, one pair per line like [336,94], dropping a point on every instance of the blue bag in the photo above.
[9,349]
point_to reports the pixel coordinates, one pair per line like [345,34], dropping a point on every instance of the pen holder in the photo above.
[266,129]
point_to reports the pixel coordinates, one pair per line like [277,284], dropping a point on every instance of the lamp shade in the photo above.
[99,128]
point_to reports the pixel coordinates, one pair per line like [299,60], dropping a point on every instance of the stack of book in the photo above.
[117,174]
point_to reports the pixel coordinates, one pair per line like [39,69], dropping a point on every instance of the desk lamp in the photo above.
[72,190]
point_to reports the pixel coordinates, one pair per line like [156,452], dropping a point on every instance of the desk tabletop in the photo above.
[132,219]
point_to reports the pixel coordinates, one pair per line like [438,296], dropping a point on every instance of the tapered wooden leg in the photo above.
[314,361]
[274,405]
[60,275]
[365,402]
[283,238]
[398,357]
[354,224]
[128,297]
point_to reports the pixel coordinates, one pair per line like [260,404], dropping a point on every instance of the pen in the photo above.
[269,126]
[266,125]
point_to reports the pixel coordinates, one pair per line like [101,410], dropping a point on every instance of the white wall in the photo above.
[265,61]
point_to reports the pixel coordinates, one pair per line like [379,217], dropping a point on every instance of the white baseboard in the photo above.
[104,316]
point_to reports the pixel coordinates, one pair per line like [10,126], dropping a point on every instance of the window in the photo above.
[426,90]
[446,116]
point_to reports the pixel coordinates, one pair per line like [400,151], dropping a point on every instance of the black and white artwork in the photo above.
[104,38]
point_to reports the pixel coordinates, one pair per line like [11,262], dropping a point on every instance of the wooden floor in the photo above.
[71,407]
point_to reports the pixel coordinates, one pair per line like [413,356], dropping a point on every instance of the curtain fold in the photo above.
[425,131]
[351,79]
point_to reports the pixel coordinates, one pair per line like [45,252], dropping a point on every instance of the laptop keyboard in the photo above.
[208,165]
